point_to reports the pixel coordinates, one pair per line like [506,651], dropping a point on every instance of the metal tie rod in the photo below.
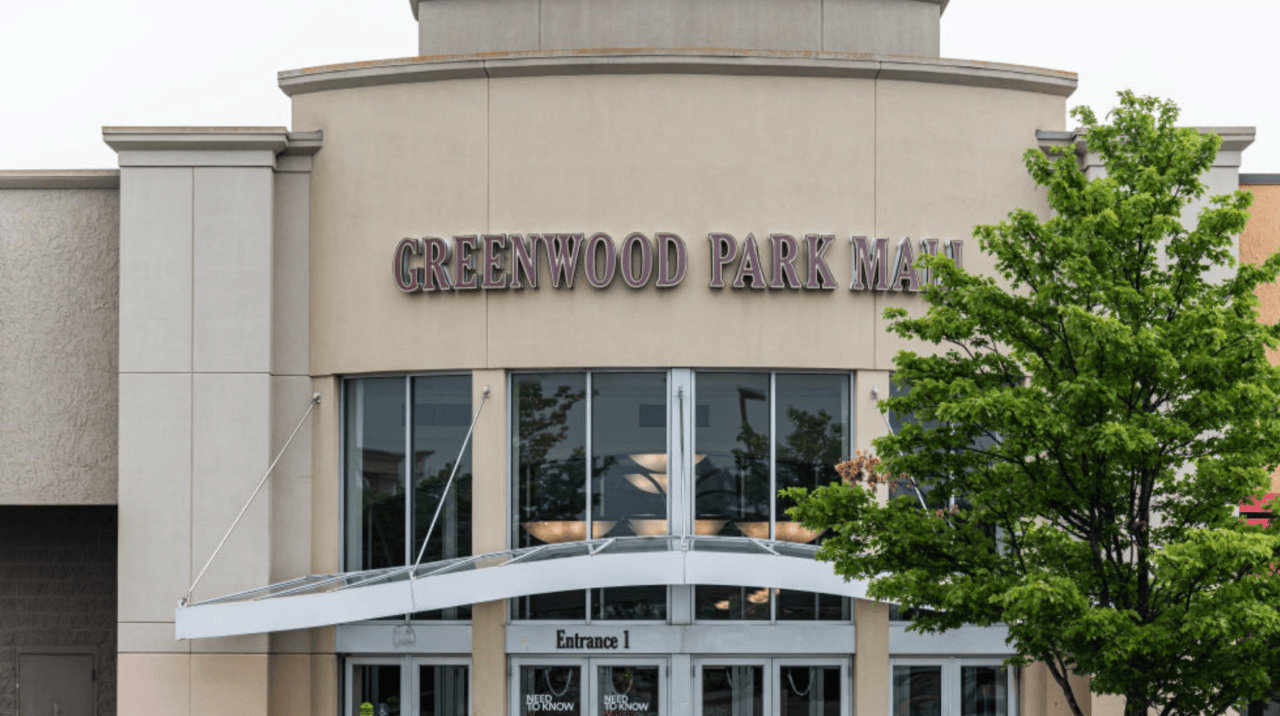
[483,398]
[315,400]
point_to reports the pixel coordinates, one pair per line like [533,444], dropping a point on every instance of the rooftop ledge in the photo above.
[793,63]
[60,179]
[942,5]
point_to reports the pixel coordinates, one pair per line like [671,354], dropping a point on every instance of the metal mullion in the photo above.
[408,470]
[773,454]
[590,471]
[774,594]
[689,447]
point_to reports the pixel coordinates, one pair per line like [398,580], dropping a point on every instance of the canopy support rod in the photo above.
[315,400]
[483,398]
[875,395]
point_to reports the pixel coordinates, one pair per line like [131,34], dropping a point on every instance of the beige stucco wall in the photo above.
[1260,239]
[59,280]
[683,153]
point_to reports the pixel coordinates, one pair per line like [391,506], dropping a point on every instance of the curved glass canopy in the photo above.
[325,600]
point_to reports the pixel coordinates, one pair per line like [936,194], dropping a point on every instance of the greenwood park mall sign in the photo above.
[500,262]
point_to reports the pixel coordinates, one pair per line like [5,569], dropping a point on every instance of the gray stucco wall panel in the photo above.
[448,27]
[882,27]
[898,27]
[748,24]
[59,338]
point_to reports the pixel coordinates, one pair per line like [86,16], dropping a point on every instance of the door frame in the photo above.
[950,669]
[88,651]
[409,682]
[588,676]
[773,675]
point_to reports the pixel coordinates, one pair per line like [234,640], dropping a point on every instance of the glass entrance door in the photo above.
[756,687]
[408,686]
[590,687]
[627,688]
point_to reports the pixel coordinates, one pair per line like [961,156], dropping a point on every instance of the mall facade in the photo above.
[525,334]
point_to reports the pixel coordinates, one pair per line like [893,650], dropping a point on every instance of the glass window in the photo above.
[391,500]
[564,606]
[644,603]
[741,464]
[550,454]
[375,450]
[731,448]
[718,603]
[812,417]
[621,427]
[797,606]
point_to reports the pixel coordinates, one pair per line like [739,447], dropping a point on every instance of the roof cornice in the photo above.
[678,61]
[1234,139]
[123,139]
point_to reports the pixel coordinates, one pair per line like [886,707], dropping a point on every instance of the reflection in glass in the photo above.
[550,454]
[628,691]
[983,691]
[811,606]
[378,686]
[375,473]
[812,419]
[628,418]
[917,690]
[732,691]
[732,432]
[441,417]
[571,606]
[809,690]
[647,603]
[718,603]
[550,690]
[442,691]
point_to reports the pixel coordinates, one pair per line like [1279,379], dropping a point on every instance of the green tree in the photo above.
[1083,434]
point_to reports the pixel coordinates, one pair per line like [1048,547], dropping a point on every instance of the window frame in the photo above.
[410,547]
[681,495]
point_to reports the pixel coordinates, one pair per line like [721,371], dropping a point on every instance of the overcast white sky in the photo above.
[69,67]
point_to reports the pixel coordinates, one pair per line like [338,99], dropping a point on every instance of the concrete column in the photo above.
[1042,696]
[871,662]
[489,658]
[489,530]
[196,406]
